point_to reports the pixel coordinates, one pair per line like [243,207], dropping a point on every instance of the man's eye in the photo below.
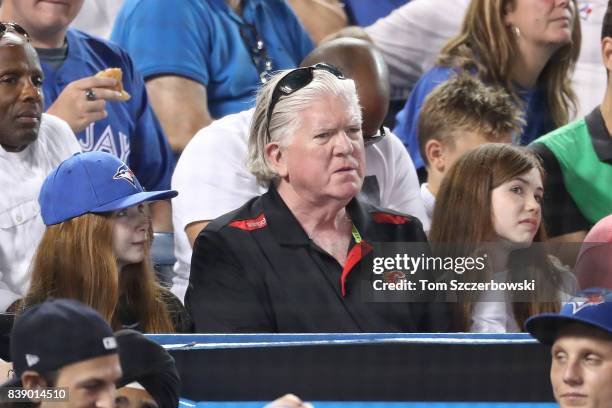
[592,359]
[9,79]
[37,81]
[560,356]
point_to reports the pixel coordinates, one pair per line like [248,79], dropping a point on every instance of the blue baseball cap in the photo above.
[592,307]
[92,182]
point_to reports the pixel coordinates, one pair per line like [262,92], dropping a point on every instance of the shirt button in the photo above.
[19,218]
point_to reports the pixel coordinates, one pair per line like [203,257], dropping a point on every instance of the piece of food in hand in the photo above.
[117,74]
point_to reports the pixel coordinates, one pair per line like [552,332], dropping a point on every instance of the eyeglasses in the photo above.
[375,138]
[14,27]
[294,81]
[257,50]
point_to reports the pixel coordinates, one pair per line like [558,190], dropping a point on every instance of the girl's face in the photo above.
[543,22]
[516,208]
[130,234]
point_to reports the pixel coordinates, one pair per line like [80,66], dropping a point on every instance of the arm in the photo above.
[180,105]
[221,298]
[161,216]
[193,230]
[320,17]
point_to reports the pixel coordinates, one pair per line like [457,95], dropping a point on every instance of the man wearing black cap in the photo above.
[581,339]
[150,379]
[65,345]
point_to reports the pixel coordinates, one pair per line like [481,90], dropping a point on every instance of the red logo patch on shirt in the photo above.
[250,225]
[386,218]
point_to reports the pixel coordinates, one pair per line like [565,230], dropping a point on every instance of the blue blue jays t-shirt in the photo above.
[536,112]
[131,130]
[201,40]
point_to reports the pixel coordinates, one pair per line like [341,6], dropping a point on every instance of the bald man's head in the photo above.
[360,61]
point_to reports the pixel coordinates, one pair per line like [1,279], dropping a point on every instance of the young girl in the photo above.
[489,203]
[96,245]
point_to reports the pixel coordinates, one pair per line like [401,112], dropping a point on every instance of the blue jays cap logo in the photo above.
[124,173]
[589,300]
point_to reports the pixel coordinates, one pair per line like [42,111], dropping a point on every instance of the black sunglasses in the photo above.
[14,27]
[257,50]
[375,138]
[294,81]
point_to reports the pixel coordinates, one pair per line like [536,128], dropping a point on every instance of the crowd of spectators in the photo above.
[258,133]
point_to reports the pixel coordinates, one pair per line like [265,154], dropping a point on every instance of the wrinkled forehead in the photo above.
[17,51]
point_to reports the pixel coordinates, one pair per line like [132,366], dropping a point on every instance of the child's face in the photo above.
[130,234]
[467,141]
[516,208]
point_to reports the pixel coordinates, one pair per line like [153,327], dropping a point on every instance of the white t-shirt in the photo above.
[411,37]
[212,179]
[97,17]
[21,226]
[429,201]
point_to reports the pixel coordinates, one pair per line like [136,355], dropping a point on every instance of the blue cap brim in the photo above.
[545,327]
[134,199]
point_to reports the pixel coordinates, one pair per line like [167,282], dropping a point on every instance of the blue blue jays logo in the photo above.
[124,173]
[590,300]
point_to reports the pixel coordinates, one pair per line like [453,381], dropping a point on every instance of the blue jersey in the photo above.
[131,130]
[206,41]
[535,107]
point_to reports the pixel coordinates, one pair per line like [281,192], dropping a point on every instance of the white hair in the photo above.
[286,118]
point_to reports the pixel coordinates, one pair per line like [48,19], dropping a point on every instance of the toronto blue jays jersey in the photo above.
[130,131]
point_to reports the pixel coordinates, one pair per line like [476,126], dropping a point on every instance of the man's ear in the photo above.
[434,151]
[31,380]
[276,158]
[606,53]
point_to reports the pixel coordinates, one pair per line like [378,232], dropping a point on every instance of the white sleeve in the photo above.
[411,37]
[403,192]
[7,296]
[59,138]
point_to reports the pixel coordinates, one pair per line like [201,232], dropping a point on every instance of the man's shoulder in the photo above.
[565,133]
[106,53]
[248,217]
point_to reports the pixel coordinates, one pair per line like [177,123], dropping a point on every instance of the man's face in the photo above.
[581,370]
[21,103]
[91,383]
[44,16]
[325,158]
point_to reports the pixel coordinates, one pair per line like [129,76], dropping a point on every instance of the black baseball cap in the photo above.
[57,333]
[150,365]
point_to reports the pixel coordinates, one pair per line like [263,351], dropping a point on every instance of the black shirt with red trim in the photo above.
[255,270]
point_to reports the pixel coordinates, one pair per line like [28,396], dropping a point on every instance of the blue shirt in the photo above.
[366,12]
[536,114]
[131,130]
[201,40]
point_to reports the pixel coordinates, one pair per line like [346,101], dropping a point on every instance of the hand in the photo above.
[288,401]
[73,106]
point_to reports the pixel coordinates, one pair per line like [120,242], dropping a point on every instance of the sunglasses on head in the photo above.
[6,27]
[294,81]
